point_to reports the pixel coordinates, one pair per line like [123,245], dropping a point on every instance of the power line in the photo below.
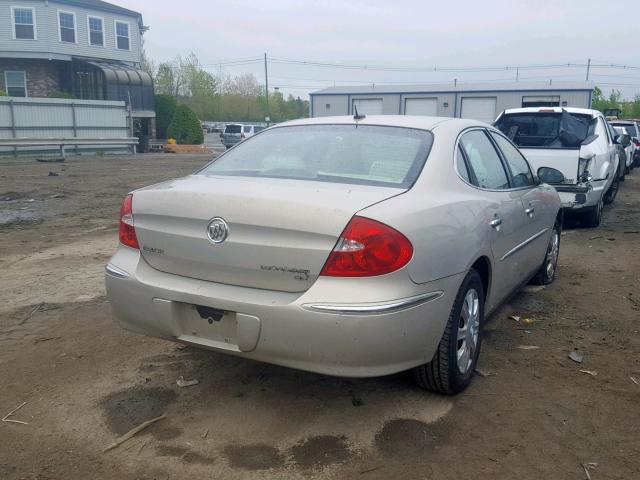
[406,68]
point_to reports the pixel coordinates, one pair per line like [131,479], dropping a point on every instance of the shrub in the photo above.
[60,94]
[185,127]
[165,109]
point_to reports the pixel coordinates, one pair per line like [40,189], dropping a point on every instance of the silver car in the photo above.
[354,247]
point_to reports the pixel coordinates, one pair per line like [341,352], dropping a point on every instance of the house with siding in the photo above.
[83,49]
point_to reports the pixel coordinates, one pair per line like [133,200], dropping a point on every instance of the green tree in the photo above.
[239,98]
[165,109]
[185,127]
[635,107]
[166,81]
[598,102]
[146,63]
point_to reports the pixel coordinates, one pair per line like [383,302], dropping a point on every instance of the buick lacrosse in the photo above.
[349,246]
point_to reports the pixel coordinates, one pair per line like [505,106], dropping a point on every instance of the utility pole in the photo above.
[220,80]
[517,73]
[266,89]
[588,68]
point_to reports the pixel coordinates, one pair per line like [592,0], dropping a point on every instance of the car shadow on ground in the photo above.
[245,409]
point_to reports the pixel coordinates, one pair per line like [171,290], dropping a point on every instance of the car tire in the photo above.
[444,374]
[593,217]
[612,193]
[547,272]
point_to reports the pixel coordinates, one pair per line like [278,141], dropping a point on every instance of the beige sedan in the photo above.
[346,246]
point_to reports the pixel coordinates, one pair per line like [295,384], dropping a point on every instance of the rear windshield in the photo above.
[364,154]
[631,128]
[233,129]
[257,129]
[546,129]
[247,128]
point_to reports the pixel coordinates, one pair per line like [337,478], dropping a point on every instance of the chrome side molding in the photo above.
[523,244]
[115,271]
[374,308]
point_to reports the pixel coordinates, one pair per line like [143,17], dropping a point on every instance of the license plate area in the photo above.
[210,314]
[210,324]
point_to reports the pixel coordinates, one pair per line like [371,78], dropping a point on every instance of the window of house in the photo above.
[67,25]
[122,36]
[15,83]
[24,24]
[96,31]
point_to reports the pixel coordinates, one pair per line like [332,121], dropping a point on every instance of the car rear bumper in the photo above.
[230,141]
[337,327]
[581,196]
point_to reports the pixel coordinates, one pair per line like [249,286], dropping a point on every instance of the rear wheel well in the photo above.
[483,267]
[560,218]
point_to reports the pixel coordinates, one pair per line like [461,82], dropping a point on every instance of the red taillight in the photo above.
[637,142]
[242,135]
[367,248]
[127,232]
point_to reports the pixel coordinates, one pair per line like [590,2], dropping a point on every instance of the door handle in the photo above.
[496,222]
[530,210]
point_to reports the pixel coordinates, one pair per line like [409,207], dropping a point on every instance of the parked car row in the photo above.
[213,127]
[579,152]
[236,132]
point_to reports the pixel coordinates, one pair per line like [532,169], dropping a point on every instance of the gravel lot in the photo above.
[532,414]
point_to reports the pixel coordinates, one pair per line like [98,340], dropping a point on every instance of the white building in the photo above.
[481,101]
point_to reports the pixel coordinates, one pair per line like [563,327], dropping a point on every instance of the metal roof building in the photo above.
[478,101]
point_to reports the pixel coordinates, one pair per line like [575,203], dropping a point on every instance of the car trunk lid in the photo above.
[280,232]
[563,159]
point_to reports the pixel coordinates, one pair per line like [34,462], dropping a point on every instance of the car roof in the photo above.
[583,111]
[407,121]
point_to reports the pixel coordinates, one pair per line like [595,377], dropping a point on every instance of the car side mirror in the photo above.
[550,175]
[623,139]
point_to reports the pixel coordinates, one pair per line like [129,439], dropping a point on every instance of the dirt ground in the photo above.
[531,412]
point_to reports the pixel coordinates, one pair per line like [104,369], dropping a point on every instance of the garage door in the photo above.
[368,106]
[476,108]
[421,106]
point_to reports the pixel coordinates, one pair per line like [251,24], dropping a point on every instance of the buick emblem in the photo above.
[217,230]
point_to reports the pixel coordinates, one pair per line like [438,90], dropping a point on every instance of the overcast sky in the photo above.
[399,33]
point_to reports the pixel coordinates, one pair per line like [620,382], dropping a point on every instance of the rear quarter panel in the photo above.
[442,216]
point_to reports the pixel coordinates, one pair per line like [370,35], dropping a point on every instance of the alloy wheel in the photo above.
[468,328]
[552,255]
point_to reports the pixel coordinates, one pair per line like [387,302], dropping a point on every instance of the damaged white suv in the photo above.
[571,149]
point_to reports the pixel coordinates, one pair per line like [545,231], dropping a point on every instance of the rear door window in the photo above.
[484,161]
[521,175]
[233,129]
